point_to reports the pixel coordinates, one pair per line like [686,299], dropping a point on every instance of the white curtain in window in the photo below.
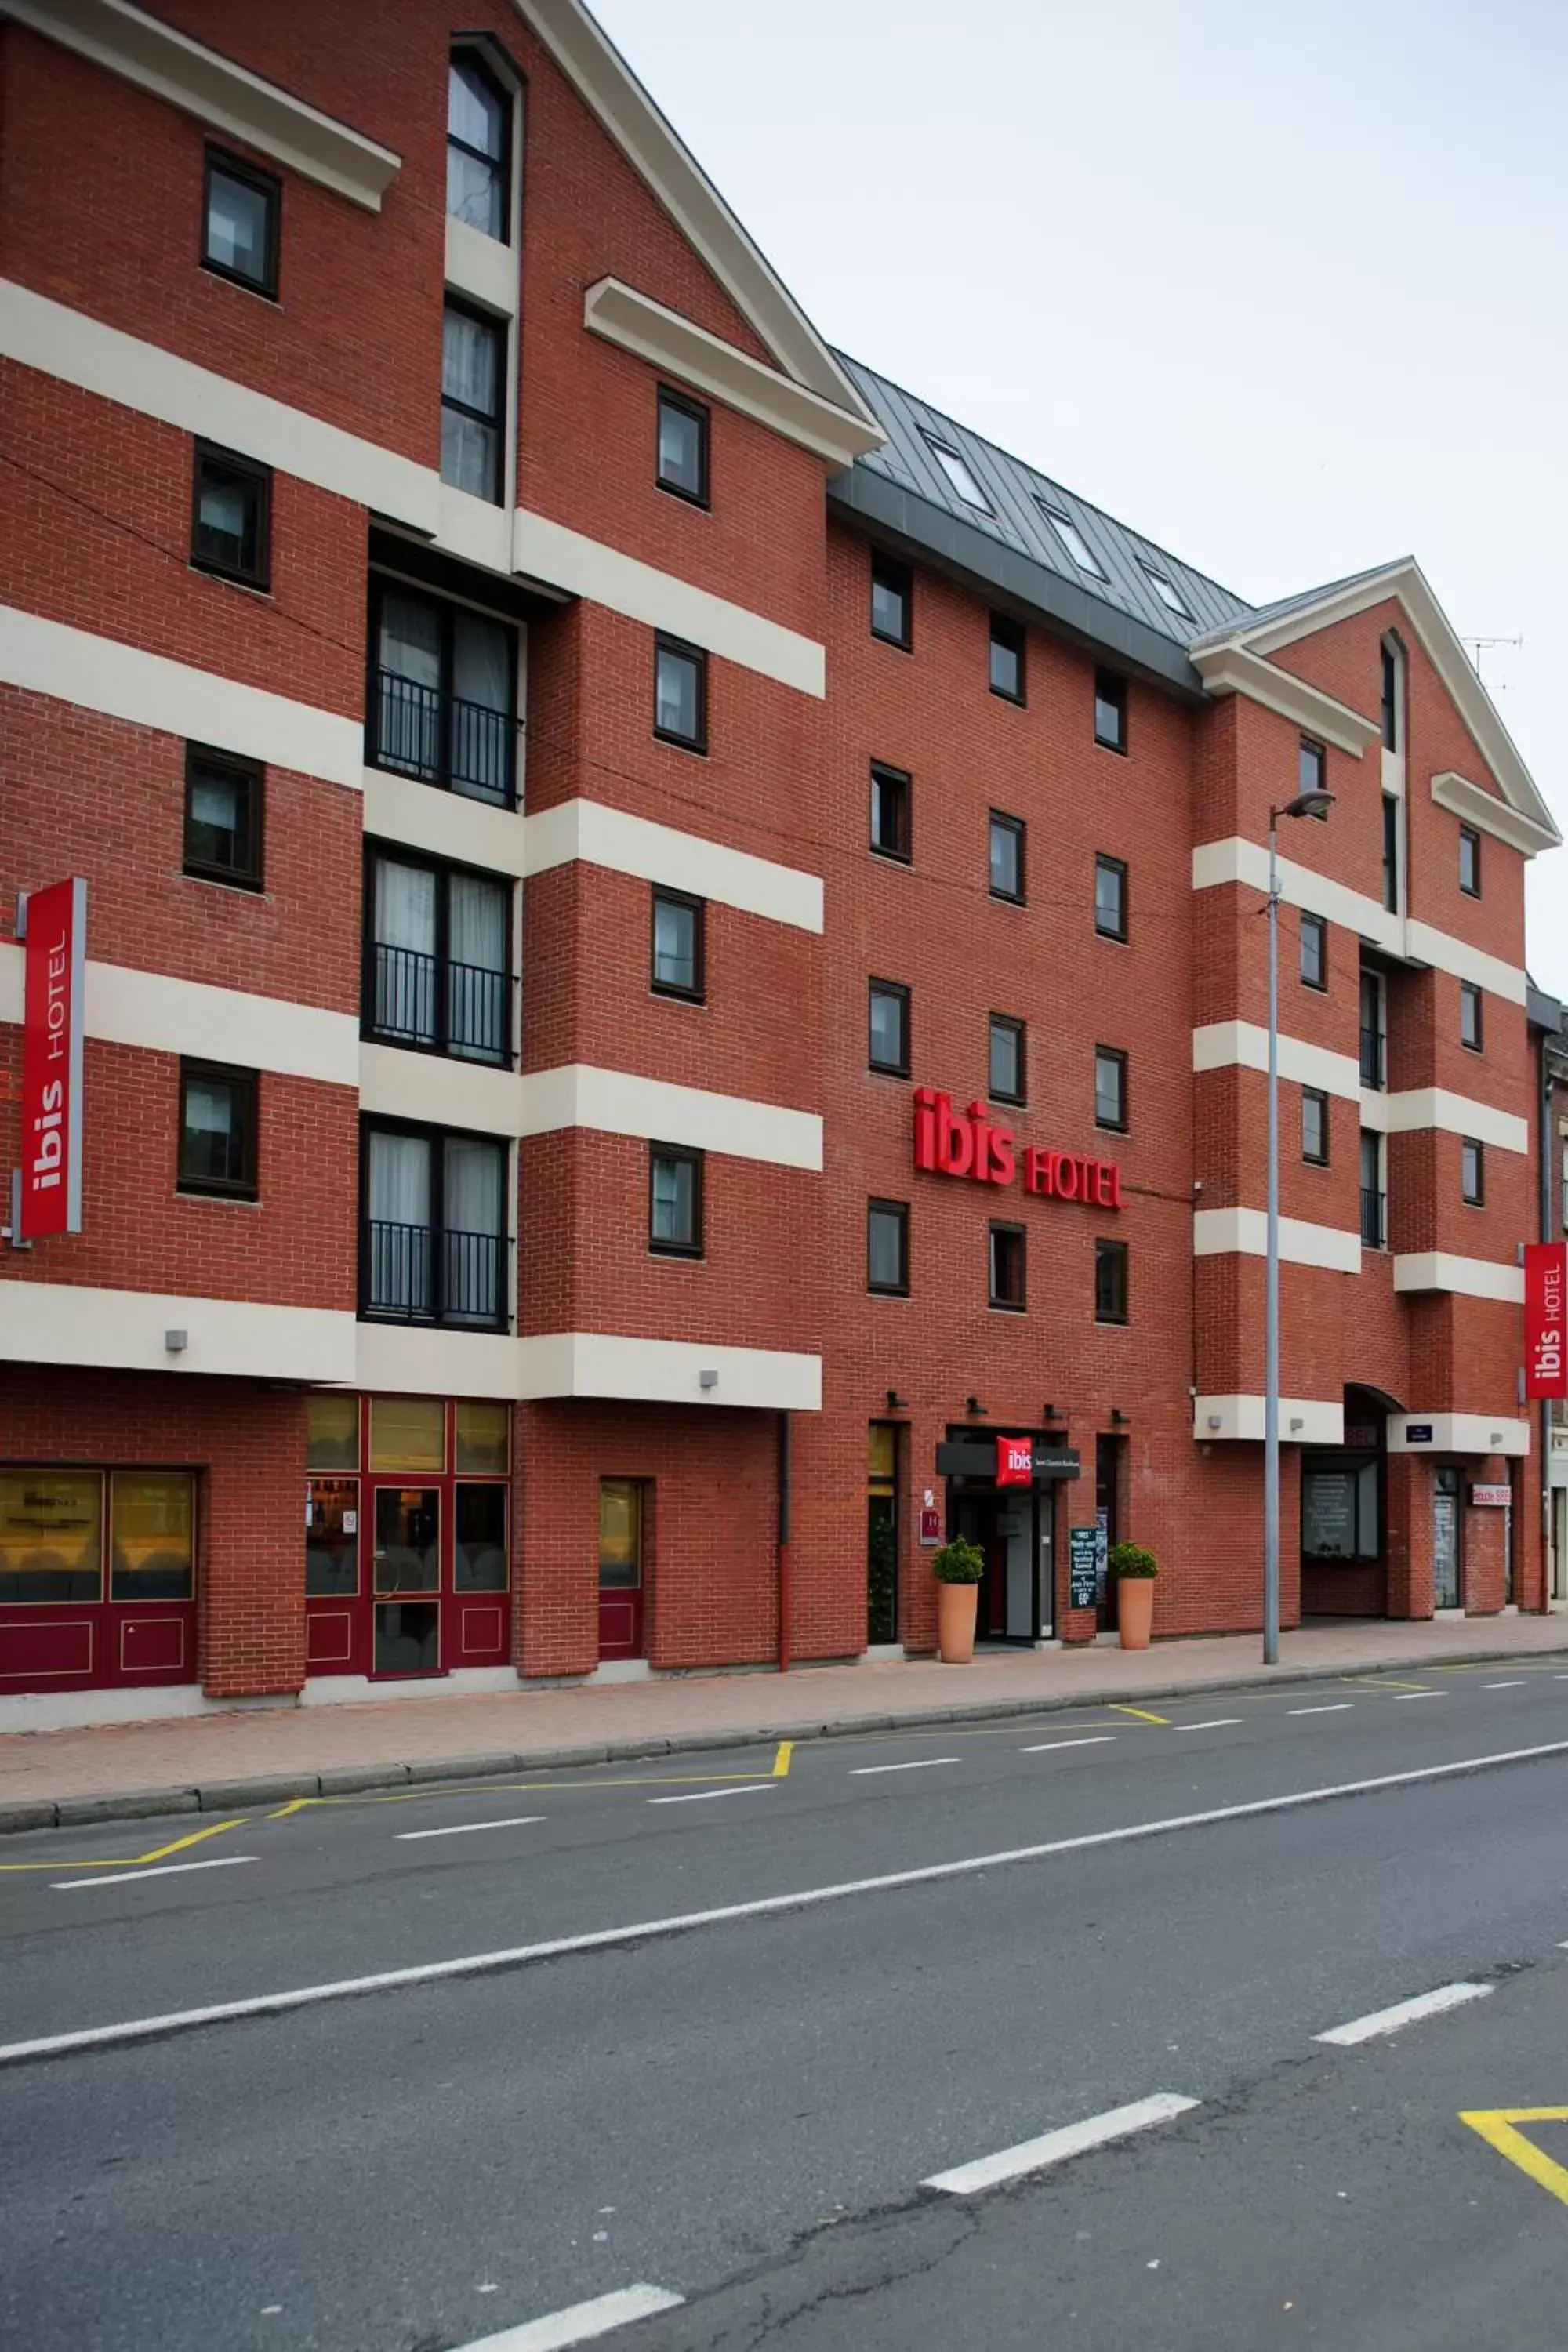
[399,1179]
[477,922]
[215,801]
[406,971]
[411,639]
[223,509]
[470,355]
[405,907]
[209,1110]
[482,663]
[473,1186]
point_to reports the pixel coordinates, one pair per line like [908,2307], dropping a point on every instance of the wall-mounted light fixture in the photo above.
[1119,1420]
[1297,1422]
[972,1404]
[706,1380]
[176,1342]
[1214,1421]
[896,1404]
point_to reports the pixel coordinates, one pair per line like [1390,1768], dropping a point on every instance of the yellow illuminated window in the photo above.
[481,1436]
[51,1536]
[408,1433]
[881,1456]
[620,1532]
[332,1433]
[151,1517]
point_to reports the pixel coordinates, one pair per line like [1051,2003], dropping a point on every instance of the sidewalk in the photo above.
[266,1755]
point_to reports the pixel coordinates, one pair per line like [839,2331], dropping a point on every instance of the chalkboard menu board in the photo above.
[1328,1514]
[1083,1567]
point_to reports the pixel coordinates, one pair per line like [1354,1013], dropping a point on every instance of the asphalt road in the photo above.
[741,2112]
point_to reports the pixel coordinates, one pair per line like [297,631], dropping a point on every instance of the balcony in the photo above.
[1374,1225]
[437,1004]
[1373,1057]
[463,747]
[430,1274]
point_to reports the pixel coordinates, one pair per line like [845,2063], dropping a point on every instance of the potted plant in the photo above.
[1134,1570]
[958,1568]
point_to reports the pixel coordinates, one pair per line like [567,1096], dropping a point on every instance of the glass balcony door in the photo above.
[443,694]
[434,1245]
[437,968]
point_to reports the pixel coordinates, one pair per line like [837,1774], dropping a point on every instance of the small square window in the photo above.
[1470,862]
[888,1047]
[1472,1172]
[887,1247]
[1110,897]
[1006,1267]
[1471,1015]
[674,1201]
[231,522]
[892,601]
[218,1131]
[679,694]
[677,960]
[890,814]
[958,474]
[1071,538]
[1007,858]
[239,225]
[1110,1088]
[1315,1126]
[1312,767]
[1007,657]
[1110,1282]
[1005,1078]
[1111,710]
[223,818]
[1314,951]
[682,460]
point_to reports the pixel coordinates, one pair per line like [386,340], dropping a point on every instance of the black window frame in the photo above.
[1391,853]
[1111,1291]
[1067,531]
[1472,999]
[1007,1025]
[269,187]
[438,1139]
[998,821]
[1389,697]
[1010,637]
[898,991]
[465,53]
[1475,1198]
[884,777]
[500,328]
[1104,864]
[1314,927]
[897,578]
[686,1155]
[444,870]
[680,650]
[660,895]
[1111,694]
[251,774]
[1013,1258]
[448,613]
[1373,1196]
[899,1211]
[682,404]
[1470,843]
[1311,766]
[1316,1095]
[247,1085]
[247,470]
[1115,1057]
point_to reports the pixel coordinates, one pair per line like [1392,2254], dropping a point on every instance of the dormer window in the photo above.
[478,125]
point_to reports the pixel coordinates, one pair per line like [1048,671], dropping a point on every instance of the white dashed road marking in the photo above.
[1049,1746]
[919,1764]
[1400,1695]
[465,1829]
[1339,1707]
[1053,2148]
[1518,1684]
[701,1796]
[581,2321]
[1404,2012]
[1215,1723]
[163,1870]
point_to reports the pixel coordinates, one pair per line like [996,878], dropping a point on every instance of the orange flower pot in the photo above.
[956,1605]
[1135,1609]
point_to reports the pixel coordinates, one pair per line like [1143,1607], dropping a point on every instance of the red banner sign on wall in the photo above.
[1015,1462]
[53,924]
[1545,1329]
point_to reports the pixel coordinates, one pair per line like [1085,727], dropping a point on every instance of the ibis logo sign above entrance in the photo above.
[955,1143]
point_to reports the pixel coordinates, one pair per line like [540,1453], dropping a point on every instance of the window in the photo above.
[1471,1015]
[1391,853]
[958,475]
[408,1433]
[443,694]
[1006,1267]
[1470,862]
[888,1046]
[478,124]
[239,226]
[481,1438]
[151,1522]
[1314,951]
[892,601]
[1341,1516]
[438,958]
[1165,591]
[218,1131]
[231,524]
[1110,1282]
[1071,538]
[479,1541]
[51,1536]
[677,953]
[1007,858]
[682,459]
[1472,1172]
[1390,699]
[223,818]
[1312,767]
[890,797]
[620,1535]
[1007,657]
[1374,1225]
[1111,710]
[674,1201]
[473,382]
[1109,1088]
[1373,1038]
[1004,1080]
[679,694]
[1110,897]
[887,1247]
[331,1431]
[1315,1126]
[432,1247]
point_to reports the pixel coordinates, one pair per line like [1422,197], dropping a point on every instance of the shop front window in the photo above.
[151,1522]
[479,1557]
[481,1438]
[332,1433]
[331,1538]
[408,1433]
[51,1536]
[1342,1514]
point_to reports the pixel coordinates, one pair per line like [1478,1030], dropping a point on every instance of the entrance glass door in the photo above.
[620,1569]
[408,1560]
[1447,1580]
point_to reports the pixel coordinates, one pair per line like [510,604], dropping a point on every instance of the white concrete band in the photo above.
[1304,1421]
[1458,1433]
[1470,1277]
[69,1323]
[601,835]
[618,1102]
[1223,1233]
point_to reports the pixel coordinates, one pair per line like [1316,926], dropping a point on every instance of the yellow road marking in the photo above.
[131,1861]
[214,1829]
[1383,1682]
[1141,1712]
[1496,2126]
[781,1761]
[295,1805]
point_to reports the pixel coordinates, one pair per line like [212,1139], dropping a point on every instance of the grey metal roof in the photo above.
[1262,616]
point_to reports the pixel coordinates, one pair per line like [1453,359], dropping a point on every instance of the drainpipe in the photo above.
[787,1596]
[1548,1200]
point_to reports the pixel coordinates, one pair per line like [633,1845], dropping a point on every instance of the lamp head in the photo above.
[1309,804]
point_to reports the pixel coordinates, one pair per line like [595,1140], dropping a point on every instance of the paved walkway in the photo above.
[258,1755]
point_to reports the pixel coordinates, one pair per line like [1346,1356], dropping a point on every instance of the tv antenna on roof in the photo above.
[1477,646]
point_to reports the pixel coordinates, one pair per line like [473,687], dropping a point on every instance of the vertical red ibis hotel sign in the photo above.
[1545,1328]
[52,924]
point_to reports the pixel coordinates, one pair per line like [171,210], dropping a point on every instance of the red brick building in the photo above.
[580,789]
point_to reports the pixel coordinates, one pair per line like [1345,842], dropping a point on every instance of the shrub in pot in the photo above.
[1134,1570]
[958,1568]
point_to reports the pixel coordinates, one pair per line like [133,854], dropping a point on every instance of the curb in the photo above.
[276,1789]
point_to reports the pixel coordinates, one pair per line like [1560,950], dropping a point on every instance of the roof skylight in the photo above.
[1071,538]
[1166,592]
[958,474]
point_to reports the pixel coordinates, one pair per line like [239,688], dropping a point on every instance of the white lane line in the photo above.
[1398,1695]
[1518,1684]
[1339,1707]
[764,1906]
[162,1870]
[466,1829]
[580,2322]
[702,1796]
[1215,1723]
[919,1764]
[1049,1746]
[1052,2147]
[1404,2012]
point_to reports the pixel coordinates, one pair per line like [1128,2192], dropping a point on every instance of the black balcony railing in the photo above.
[429,1274]
[440,737]
[1372,1219]
[463,1009]
[1373,1046]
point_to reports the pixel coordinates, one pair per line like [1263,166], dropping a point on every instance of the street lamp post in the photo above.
[1315,803]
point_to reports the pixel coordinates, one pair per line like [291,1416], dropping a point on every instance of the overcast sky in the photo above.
[1282,286]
